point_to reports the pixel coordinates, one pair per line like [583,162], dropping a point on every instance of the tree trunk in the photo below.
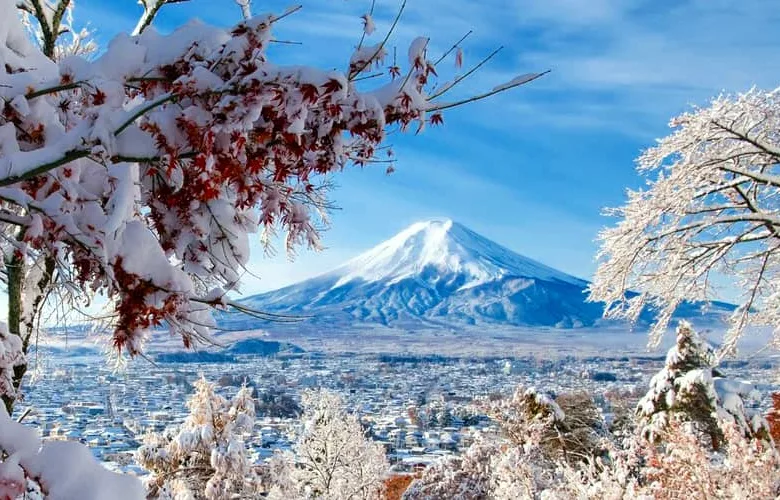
[16,265]
[16,271]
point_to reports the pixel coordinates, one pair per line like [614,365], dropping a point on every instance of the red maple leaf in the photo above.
[332,86]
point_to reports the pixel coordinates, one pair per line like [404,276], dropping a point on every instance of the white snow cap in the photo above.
[449,247]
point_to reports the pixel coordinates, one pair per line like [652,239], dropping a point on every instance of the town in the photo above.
[420,407]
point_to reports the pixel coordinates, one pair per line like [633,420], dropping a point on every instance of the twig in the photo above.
[485,95]
[467,73]
[455,46]
[24,415]
[353,73]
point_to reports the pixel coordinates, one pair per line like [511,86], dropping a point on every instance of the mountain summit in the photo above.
[437,273]
[449,249]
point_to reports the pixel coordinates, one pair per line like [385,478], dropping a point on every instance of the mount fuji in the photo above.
[436,274]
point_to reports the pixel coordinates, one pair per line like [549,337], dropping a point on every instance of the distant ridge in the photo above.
[248,346]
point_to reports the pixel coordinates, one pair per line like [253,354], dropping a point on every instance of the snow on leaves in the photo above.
[143,172]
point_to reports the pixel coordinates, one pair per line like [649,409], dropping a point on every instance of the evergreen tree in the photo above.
[690,389]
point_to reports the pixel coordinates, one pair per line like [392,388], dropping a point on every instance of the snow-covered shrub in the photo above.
[332,459]
[519,473]
[682,468]
[205,457]
[620,411]
[677,465]
[569,427]
[616,475]
[690,389]
[465,477]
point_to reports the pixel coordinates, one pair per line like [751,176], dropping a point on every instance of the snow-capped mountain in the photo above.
[438,273]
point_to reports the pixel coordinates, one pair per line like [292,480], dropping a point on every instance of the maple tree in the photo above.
[690,388]
[140,174]
[396,485]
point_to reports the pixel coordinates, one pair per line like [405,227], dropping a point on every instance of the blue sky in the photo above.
[530,168]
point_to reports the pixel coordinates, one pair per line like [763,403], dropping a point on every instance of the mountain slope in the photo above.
[438,273]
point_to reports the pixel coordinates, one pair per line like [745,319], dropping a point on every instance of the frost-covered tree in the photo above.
[690,389]
[465,477]
[333,459]
[205,457]
[140,174]
[709,220]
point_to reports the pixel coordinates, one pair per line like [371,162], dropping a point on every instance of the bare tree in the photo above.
[709,220]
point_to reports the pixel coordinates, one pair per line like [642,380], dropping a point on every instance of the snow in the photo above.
[368,24]
[12,480]
[366,56]
[417,49]
[438,274]
[66,470]
[449,247]
[517,81]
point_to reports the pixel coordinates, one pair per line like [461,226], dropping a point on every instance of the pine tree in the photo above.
[690,389]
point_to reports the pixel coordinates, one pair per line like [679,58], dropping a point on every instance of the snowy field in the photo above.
[487,341]
[490,342]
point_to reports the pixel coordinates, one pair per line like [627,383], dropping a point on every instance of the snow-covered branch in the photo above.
[711,216]
[146,169]
[62,469]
